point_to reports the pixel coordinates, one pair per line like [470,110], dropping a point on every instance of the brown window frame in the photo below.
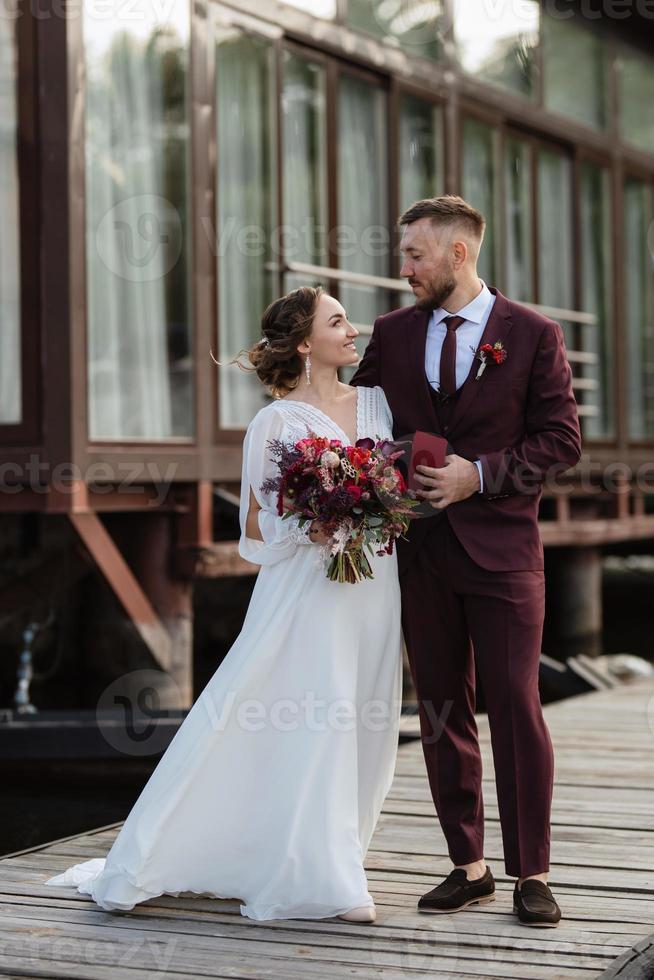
[28,430]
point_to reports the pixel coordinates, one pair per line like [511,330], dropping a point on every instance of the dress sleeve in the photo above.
[385,413]
[281,538]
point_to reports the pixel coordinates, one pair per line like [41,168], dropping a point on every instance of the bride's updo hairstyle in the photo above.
[284,325]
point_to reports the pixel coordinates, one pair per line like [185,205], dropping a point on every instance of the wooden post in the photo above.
[171,597]
[574,592]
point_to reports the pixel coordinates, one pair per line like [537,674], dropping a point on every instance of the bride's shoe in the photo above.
[365,913]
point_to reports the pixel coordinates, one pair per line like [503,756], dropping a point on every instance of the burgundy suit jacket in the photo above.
[520,419]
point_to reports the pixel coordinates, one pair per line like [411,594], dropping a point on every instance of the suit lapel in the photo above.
[418,344]
[497,328]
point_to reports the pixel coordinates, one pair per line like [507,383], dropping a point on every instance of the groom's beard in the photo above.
[437,293]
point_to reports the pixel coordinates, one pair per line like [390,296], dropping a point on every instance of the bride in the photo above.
[270,790]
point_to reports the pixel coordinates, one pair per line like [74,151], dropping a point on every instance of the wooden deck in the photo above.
[602,873]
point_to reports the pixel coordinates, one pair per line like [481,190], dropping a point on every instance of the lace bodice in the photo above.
[374,419]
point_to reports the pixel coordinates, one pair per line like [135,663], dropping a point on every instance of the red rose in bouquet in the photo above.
[356,494]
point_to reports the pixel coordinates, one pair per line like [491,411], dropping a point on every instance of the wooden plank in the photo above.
[636,964]
[432,861]
[196,950]
[220,559]
[434,867]
[402,907]
[589,910]
[261,968]
[331,934]
[587,816]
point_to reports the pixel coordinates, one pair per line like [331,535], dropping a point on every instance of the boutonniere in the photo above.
[495,353]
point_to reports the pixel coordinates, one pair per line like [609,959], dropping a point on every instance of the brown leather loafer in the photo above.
[456,892]
[535,904]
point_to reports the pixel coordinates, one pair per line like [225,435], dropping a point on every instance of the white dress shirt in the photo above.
[468,336]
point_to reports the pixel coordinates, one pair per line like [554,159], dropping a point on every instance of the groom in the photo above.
[472,573]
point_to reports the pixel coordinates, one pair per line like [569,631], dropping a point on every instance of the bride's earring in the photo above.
[307,367]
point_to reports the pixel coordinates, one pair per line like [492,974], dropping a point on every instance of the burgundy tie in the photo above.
[448,355]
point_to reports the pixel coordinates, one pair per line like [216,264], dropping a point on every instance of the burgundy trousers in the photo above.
[453,610]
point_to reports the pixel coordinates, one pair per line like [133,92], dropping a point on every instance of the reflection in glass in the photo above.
[10,366]
[478,188]
[636,88]
[246,212]
[319,8]
[498,42]
[597,297]
[362,199]
[304,166]
[555,256]
[519,251]
[421,150]
[417,27]
[137,199]
[639,298]
[572,50]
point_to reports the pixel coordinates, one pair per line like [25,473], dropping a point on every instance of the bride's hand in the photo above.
[316,534]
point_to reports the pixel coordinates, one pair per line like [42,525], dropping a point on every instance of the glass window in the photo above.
[304,166]
[497,42]
[555,253]
[478,187]
[519,250]
[573,51]
[137,203]
[246,179]
[636,88]
[10,360]
[421,150]
[597,298]
[363,239]
[639,308]
[416,27]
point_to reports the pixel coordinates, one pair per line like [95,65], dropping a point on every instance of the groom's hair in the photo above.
[448,210]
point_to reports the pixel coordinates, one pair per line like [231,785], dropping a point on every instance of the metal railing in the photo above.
[402,286]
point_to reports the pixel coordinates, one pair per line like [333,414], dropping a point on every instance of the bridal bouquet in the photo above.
[356,494]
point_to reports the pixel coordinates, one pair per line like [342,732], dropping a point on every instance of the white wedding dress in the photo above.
[270,790]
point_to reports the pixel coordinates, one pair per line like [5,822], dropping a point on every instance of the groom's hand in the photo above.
[444,485]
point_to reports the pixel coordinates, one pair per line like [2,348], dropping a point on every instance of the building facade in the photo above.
[168,169]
